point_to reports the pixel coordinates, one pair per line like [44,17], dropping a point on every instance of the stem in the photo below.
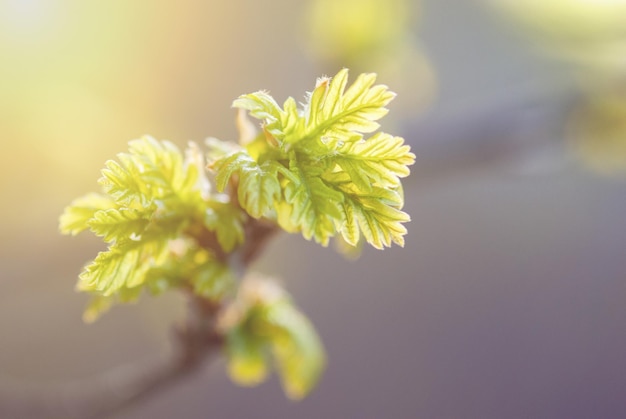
[119,388]
[113,391]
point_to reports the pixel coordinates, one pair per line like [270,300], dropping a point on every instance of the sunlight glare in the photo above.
[26,17]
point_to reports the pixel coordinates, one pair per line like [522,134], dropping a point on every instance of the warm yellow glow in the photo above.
[588,33]
[26,11]
[598,132]
[27,17]
[372,35]
[569,18]
[79,79]
[353,29]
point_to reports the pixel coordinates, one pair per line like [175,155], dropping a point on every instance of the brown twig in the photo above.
[194,342]
[110,392]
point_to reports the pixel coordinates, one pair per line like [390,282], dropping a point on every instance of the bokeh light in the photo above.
[591,33]
[372,36]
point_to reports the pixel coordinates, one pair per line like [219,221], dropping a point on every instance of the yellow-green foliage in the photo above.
[312,170]
[155,198]
[262,326]
[309,170]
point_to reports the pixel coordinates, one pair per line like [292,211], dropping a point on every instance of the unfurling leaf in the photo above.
[264,326]
[296,348]
[248,361]
[258,187]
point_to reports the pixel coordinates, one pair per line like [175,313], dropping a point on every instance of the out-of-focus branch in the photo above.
[520,133]
[195,341]
[105,394]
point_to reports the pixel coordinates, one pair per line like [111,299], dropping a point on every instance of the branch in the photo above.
[520,133]
[113,391]
[116,389]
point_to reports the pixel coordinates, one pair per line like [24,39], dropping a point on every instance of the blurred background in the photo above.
[508,300]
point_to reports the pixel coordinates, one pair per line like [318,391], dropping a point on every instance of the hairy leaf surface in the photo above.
[343,115]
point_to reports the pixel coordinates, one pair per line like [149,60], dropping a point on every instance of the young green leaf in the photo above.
[314,206]
[123,223]
[343,115]
[258,188]
[76,216]
[123,182]
[263,323]
[296,348]
[331,111]
[377,216]
[230,164]
[164,168]
[124,265]
[263,106]
[151,170]
[247,357]
[381,159]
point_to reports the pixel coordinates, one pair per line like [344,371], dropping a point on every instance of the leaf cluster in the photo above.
[165,229]
[156,203]
[309,169]
[312,170]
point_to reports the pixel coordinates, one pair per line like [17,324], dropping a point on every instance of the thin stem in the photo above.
[115,390]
